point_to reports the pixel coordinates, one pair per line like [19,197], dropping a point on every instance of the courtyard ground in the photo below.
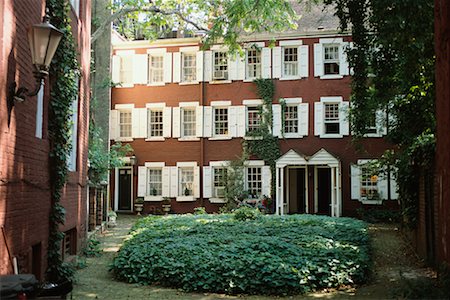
[397,273]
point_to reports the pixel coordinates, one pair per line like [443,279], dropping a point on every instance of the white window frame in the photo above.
[319,58]
[343,117]
[150,111]
[293,63]
[217,67]
[217,186]
[227,122]
[119,124]
[193,67]
[183,122]
[151,69]
[255,65]
[195,183]
[334,120]
[167,120]
[332,61]
[149,192]
[126,78]
[72,158]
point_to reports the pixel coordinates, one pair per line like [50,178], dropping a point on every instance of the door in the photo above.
[324,191]
[297,191]
[124,189]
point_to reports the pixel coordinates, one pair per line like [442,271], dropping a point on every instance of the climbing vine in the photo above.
[64,75]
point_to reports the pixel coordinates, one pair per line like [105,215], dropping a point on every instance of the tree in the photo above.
[393,63]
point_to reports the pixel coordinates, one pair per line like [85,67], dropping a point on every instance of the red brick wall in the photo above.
[24,177]
[442,40]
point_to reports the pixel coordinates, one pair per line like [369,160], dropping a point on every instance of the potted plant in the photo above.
[187,192]
[112,217]
[139,205]
[166,205]
[154,192]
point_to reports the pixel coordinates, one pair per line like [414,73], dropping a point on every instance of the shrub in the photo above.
[268,255]
[245,213]
[200,211]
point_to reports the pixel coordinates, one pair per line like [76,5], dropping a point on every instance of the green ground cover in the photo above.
[266,255]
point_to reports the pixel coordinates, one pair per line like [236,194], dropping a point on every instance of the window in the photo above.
[331,59]
[155,70]
[253,63]
[290,61]
[369,184]
[155,124]
[126,69]
[69,243]
[186,182]
[254,182]
[253,118]
[291,119]
[220,121]
[372,124]
[331,119]
[189,67]
[220,177]
[220,66]
[188,118]
[124,123]
[154,182]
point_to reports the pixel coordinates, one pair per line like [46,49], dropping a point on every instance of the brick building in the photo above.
[24,145]
[185,111]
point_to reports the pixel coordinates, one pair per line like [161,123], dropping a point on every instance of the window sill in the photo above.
[373,135]
[217,200]
[250,138]
[185,198]
[153,198]
[123,139]
[157,84]
[220,138]
[188,139]
[290,78]
[331,77]
[292,136]
[250,79]
[374,202]
[155,139]
[331,136]
[219,81]
[189,83]
[119,86]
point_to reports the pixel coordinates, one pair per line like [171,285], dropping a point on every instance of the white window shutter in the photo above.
[232,69]
[355,176]
[176,120]
[166,181]
[142,181]
[115,69]
[140,68]
[135,116]
[276,62]
[240,68]
[318,60]
[208,121]
[343,64]
[207,182]
[303,121]
[207,66]
[173,181]
[266,176]
[318,118]
[199,121]
[167,67]
[232,119]
[167,122]
[176,67]
[241,126]
[197,182]
[394,187]
[303,61]
[344,125]
[265,63]
[199,66]
[383,187]
[113,124]
[143,125]
[380,121]
[276,113]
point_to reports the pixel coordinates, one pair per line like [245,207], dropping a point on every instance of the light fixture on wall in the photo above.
[44,39]
[133,160]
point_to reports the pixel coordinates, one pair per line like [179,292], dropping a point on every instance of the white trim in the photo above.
[251,102]
[182,164]
[124,106]
[185,198]
[154,164]
[221,103]
[257,44]
[189,104]
[219,48]
[335,40]
[157,84]
[155,105]
[155,139]
[189,49]
[124,52]
[189,82]
[292,100]
[254,163]
[157,51]
[188,139]
[153,198]
[331,76]
[220,138]
[220,81]
[217,200]
[332,99]
[219,163]
[291,43]
[124,139]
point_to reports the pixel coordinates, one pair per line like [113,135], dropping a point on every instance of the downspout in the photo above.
[202,139]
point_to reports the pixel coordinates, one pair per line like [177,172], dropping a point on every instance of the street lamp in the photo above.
[44,39]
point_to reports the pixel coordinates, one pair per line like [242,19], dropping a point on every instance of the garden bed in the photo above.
[269,255]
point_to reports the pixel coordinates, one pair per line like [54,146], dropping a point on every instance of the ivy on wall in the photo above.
[64,73]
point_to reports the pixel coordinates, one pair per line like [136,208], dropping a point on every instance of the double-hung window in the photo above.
[188,122]
[253,63]
[155,124]
[154,178]
[126,70]
[219,181]
[253,118]
[290,61]
[254,182]
[186,181]
[220,65]
[291,119]
[125,123]
[331,59]
[369,184]
[220,121]
[155,69]
[331,118]
[189,67]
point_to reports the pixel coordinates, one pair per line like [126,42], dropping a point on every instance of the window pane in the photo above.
[331,59]
[369,184]
[290,61]
[221,121]
[154,182]
[155,123]
[291,119]
[220,66]
[220,175]
[331,119]
[253,63]
[125,123]
[253,118]
[189,67]
[188,121]
[156,72]
[186,182]
[254,181]
[126,69]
